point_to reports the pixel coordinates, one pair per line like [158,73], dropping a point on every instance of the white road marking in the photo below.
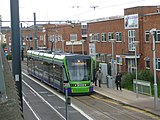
[35,114]
[43,92]
[50,95]
[75,107]
[32,92]
[43,99]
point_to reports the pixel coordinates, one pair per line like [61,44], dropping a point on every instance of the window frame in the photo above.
[118,36]
[110,36]
[73,37]
[147,34]
[104,37]
[158,64]
[131,39]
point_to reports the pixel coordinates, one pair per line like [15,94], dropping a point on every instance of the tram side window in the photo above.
[58,72]
[40,68]
[45,69]
[29,62]
[51,72]
[36,66]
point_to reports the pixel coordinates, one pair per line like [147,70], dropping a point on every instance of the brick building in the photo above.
[104,37]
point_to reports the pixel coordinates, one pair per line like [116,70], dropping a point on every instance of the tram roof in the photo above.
[48,54]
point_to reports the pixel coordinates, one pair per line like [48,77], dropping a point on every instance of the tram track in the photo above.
[101,107]
[118,109]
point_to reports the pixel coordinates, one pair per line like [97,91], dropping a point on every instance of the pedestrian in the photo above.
[118,81]
[98,77]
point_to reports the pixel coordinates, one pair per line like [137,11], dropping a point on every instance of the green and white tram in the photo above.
[59,69]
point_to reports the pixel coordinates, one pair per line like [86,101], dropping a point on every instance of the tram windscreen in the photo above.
[79,69]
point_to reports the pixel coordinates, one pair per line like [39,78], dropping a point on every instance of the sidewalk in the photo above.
[127,97]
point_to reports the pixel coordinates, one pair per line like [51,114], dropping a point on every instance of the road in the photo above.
[42,102]
[46,105]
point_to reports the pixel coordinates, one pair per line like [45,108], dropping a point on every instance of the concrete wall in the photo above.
[11,109]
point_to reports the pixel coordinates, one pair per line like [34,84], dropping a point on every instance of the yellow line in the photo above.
[143,112]
[109,101]
[128,107]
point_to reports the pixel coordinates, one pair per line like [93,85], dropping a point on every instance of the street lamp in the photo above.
[62,45]
[153,32]
[136,42]
[72,41]
[82,46]
[94,41]
[29,38]
[112,62]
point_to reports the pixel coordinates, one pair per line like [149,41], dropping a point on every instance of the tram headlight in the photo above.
[73,85]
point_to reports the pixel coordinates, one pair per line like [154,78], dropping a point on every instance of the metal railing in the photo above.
[144,87]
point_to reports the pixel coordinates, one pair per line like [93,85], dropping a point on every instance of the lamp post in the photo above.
[72,41]
[94,41]
[112,62]
[82,46]
[153,32]
[62,45]
[29,38]
[136,42]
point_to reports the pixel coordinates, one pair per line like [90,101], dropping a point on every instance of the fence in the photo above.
[144,87]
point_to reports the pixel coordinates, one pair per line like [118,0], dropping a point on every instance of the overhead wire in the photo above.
[98,8]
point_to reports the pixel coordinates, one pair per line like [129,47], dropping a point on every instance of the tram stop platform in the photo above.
[141,102]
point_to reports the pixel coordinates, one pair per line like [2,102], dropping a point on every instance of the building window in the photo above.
[103,37]
[104,57]
[158,36]
[147,62]
[40,37]
[59,37]
[10,38]
[73,37]
[119,60]
[131,39]
[146,36]
[94,37]
[109,58]
[110,36]
[118,36]
[98,56]
[158,63]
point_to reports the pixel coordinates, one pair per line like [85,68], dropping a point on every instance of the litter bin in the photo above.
[111,82]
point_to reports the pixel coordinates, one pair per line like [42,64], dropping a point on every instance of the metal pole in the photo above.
[16,61]
[155,80]
[82,46]
[35,35]
[72,47]
[22,57]
[63,45]
[112,72]
[29,36]
[136,70]
[95,56]
[66,103]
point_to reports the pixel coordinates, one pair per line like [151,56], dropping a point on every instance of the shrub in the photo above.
[127,81]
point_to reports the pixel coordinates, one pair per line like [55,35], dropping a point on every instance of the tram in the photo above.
[73,72]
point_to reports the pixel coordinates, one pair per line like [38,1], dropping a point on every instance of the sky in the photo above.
[74,10]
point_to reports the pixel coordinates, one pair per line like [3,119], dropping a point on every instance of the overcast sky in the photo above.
[70,9]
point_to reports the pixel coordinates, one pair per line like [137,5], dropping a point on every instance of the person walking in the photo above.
[118,81]
[98,77]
